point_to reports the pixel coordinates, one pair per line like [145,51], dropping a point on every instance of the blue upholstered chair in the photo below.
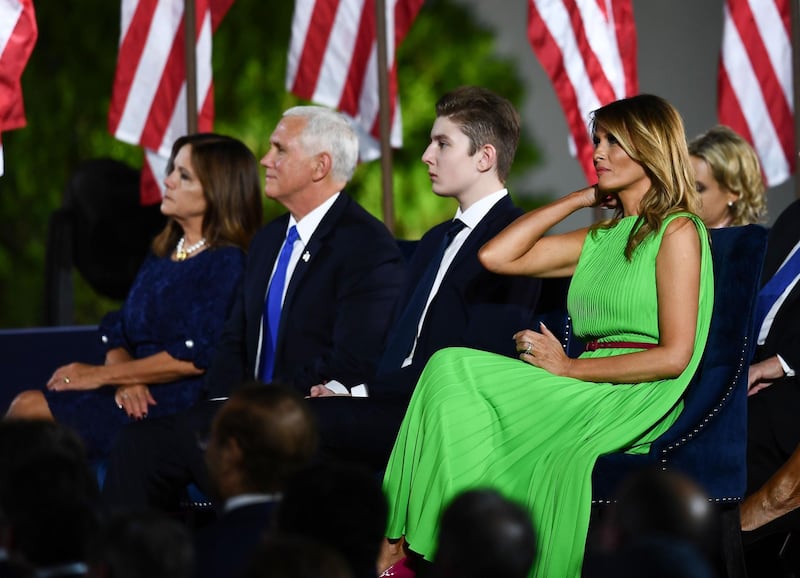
[708,441]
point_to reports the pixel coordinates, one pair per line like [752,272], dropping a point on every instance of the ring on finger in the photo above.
[530,348]
[66,380]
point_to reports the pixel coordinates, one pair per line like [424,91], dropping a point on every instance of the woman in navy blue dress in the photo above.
[162,340]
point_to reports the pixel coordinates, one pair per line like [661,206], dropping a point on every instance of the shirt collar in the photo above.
[308,224]
[249,499]
[477,211]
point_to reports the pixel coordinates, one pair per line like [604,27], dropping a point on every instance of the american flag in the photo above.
[755,92]
[588,49]
[18,34]
[148,102]
[333,61]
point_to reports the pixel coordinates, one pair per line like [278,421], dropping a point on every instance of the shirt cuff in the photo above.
[359,390]
[786,369]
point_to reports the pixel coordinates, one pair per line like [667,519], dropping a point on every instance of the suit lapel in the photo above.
[480,235]
[313,250]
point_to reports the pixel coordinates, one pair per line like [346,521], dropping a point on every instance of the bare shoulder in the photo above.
[681,224]
[681,235]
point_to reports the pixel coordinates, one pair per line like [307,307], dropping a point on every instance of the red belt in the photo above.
[595,345]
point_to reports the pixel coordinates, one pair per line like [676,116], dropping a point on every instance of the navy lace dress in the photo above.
[174,306]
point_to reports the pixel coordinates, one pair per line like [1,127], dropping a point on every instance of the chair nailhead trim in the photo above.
[716,409]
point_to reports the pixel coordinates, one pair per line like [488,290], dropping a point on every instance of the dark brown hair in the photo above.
[228,173]
[486,118]
[274,429]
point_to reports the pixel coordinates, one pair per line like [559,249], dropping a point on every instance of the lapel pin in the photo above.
[306,256]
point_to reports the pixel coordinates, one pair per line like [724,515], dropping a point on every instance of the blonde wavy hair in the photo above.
[734,165]
[651,132]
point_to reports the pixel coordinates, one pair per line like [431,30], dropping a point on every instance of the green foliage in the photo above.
[67,88]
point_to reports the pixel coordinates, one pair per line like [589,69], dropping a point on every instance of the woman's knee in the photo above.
[30,404]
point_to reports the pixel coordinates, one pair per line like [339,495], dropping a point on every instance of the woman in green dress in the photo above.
[532,428]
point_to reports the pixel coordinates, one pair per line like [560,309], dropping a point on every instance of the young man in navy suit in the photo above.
[319,288]
[471,149]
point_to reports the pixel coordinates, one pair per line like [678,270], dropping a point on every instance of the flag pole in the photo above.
[795,15]
[190,49]
[384,118]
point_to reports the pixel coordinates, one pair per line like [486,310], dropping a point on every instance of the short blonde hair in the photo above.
[734,165]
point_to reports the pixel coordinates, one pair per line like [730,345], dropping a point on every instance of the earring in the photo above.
[730,204]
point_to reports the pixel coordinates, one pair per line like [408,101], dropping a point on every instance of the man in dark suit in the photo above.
[773,458]
[319,289]
[259,439]
[472,146]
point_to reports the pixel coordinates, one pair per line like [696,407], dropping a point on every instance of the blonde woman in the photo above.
[728,178]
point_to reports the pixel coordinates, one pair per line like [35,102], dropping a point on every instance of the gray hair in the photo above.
[328,131]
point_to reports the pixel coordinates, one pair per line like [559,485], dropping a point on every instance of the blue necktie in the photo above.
[404,331]
[272,307]
[773,289]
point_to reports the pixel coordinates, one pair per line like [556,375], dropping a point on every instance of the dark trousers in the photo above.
[773,435]
[152,461]
[360,430]
[773,430]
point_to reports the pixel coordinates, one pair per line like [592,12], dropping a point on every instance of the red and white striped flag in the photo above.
[18,34]
[148,103]
[588,49]
[333,61]
[755,92]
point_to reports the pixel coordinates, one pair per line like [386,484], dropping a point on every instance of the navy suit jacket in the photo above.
[337,308]
[784,335]
[225,546]
[472,307]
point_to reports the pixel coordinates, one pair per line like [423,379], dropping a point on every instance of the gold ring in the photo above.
[66,380]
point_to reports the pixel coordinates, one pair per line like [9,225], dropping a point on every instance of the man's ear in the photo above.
[321,166]
[487,158]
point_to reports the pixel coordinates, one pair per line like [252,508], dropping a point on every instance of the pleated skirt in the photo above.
[477,419]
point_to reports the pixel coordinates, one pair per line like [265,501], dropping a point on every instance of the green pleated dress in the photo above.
[478,419]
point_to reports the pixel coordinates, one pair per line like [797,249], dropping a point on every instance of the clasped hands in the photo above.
[321,390]
[542,349]
[134,399]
